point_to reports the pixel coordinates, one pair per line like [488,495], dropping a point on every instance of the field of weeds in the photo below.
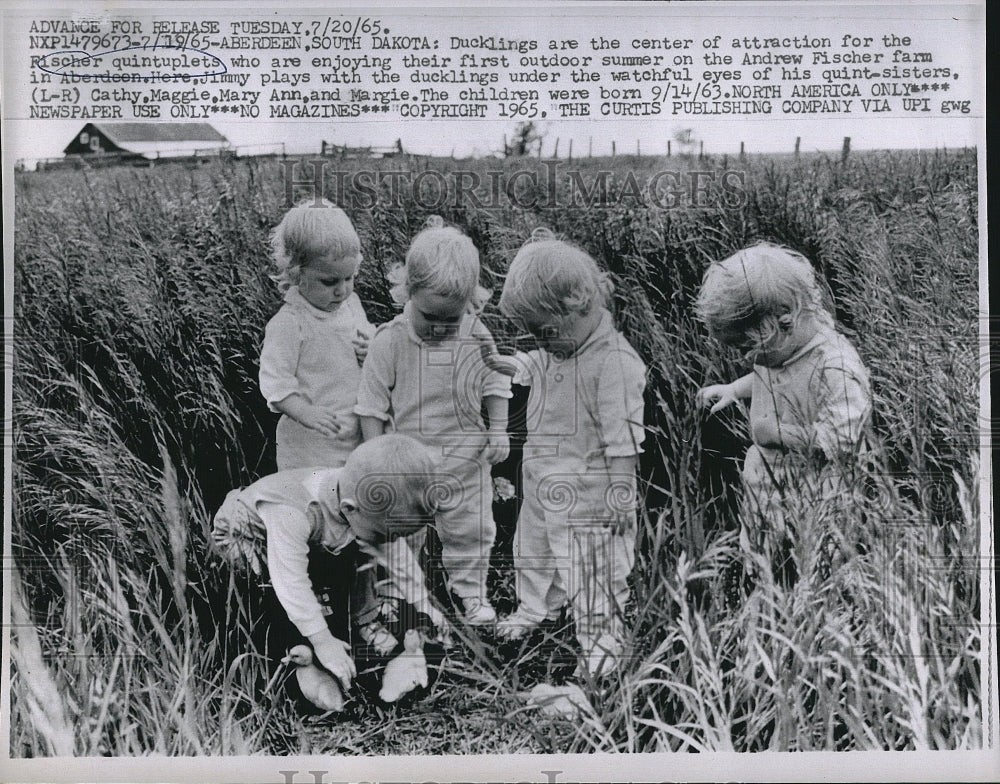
[140,304]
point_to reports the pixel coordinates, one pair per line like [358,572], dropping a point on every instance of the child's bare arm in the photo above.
[622,497]
[318,418]
[360,342]
[279,384]
[498,442]
[378,377]
[371,427]
[721,395]
[494,360]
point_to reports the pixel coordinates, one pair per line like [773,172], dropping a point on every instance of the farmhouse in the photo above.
[139,142]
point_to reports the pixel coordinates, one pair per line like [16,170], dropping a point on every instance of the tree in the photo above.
[685,141]
[527,138]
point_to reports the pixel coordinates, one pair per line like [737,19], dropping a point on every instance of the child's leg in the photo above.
[366,606]
[467,531]
[541,592]
[603,560]
[821,509]
[770,527]
[601,563]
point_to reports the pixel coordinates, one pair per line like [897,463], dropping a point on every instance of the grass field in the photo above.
[140,302]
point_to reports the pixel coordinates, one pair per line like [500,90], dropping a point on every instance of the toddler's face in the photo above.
[326,282]
[560,334]
[436,317]
[771,341]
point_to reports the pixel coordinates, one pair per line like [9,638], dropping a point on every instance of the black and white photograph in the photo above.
[573,391]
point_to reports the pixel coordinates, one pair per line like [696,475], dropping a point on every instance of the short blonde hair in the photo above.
[443,260]
[309,231]
[552,277]
[755,288]
[392,479]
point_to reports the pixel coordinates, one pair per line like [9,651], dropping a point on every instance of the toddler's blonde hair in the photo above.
[308,231]
[764,287]
[443,260]
[392,478]
[552,277]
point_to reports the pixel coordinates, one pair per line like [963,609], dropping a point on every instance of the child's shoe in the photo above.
[516,626]
[389,610]
[376,635]
[478,612]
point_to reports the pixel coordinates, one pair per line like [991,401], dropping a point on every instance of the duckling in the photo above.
[407,671]
[566,701]
[317,686]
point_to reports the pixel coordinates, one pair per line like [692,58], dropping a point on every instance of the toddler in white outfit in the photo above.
[810,399]
[310,362]
[576,528]
[425,376]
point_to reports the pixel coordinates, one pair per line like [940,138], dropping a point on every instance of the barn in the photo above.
[141,143]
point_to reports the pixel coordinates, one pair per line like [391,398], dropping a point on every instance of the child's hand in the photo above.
[497,447]
[333,655]
[721,395]
[621,494]
[321,419]
[360,342]
[621,523]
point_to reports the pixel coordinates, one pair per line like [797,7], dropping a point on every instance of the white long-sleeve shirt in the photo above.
[300,509]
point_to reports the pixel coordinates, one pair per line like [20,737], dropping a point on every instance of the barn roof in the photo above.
[124,133]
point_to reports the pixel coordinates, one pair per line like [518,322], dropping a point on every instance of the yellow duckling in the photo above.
[407,671]
[317,686]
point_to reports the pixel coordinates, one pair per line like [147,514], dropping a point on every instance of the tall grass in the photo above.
[141,298]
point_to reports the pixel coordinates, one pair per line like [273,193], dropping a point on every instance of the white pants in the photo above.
[466,527]
[562,555]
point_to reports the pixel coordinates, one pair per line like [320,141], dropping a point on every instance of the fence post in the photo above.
[701,149]
[798,140]
[612,148]
[742,152]
[638,152]
[668,148]
[555,154]
[846,150]
[590,147]
[570,150]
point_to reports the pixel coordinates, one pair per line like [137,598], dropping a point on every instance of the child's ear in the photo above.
[348,505]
